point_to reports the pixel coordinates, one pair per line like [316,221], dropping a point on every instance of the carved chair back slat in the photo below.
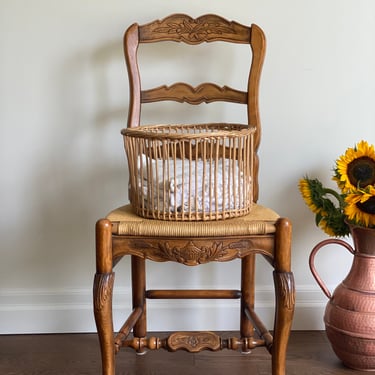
[184,93]
[183,28]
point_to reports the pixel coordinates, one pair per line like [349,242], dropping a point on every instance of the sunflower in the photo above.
[355,203]
[325,227]
[356,168]
[360,206]
[327,205]
[333,222]
[311,191]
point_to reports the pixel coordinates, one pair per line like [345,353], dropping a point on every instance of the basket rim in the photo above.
[148,131]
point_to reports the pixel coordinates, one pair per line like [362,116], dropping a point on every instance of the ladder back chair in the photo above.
[261,231]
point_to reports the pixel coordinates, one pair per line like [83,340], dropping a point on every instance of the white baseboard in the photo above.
[61,311]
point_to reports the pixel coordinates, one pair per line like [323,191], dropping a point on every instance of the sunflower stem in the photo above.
[336,195]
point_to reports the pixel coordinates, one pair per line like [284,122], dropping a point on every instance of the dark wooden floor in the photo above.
[309,354]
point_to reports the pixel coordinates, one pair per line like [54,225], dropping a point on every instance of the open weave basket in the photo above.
[190,172]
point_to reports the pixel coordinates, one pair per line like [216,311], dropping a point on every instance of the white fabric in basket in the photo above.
[178,185]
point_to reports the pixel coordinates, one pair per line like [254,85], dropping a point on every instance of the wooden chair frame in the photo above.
[262,232]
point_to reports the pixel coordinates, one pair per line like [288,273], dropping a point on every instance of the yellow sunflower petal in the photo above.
[356,167]
[326,228]
[305,189]
[355,208]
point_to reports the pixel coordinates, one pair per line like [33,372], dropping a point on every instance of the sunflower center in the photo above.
[361,171]
[368,207]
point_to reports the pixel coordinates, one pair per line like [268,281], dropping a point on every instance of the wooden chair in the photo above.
[261,231]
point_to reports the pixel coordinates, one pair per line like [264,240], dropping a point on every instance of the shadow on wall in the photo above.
[82,172]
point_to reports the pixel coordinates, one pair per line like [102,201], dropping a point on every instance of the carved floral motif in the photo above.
[285,287]
[194,342]
[192,254]
[103,286]
[196,30]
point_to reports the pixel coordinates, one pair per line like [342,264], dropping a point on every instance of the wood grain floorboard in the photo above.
[309,353]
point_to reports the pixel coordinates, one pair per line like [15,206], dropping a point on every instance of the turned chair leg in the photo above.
[285,299]
[138,268]
[247,295]
[102,292]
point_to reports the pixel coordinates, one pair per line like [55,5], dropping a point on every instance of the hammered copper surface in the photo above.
[350,313]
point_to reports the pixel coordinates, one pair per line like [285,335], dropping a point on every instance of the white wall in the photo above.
[63,88]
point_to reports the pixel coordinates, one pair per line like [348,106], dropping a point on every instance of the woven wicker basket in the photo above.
[190,172]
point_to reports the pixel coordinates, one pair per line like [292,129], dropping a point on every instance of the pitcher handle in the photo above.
[312,258]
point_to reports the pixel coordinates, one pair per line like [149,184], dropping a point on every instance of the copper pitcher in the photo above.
[350,312]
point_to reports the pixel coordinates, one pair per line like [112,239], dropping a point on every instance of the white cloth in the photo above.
[177,185]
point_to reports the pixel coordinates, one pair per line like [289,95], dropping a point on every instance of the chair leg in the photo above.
[285,299]
[247,293]
[139,294]
[102,292]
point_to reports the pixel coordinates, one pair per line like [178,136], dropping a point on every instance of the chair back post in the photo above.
[258,47]
[131,42]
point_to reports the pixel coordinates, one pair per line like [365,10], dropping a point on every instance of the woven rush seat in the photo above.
[261,220]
